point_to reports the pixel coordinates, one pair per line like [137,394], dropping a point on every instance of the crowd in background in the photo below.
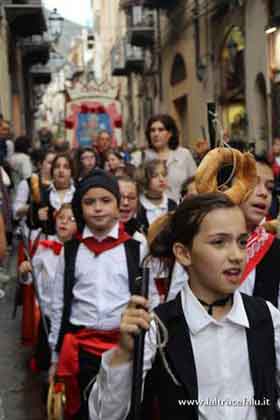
[48,191]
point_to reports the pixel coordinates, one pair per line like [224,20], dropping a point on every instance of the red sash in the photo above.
[92,341]
[258,245]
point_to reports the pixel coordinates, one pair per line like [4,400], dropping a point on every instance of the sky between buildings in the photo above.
[78,11]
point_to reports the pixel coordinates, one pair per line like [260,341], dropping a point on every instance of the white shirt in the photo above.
[21,163]
[248,286]
[221,359]
[153,211]
[21,198]
[180,166]
[101,290]
[55,198]
[44,263]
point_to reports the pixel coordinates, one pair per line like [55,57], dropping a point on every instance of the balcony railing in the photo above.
[41,74]
[35,48]
[118,64]
[141,25]
[126,58]
[134,58]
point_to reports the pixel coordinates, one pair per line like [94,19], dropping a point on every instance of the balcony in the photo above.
[118,64]
[141,25]
[25,19]
[35,49]
[134,58]
[126,58]
[40,74]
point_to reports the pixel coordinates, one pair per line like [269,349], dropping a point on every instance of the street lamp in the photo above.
[55,25]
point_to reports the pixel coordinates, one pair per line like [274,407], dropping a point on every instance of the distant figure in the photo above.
[4,134]
[20,161]
[103,144]
[45,138]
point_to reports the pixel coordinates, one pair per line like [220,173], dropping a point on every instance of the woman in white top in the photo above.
[163,139]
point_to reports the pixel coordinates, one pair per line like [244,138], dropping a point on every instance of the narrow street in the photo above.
[20,397]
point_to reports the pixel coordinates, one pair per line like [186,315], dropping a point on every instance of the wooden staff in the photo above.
[137,378]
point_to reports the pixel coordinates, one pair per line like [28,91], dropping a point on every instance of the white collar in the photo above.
[198,318]
[114,233]
[151,206]
[71,188]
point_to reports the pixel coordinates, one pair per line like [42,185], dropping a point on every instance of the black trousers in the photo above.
[42,353]
[89,367]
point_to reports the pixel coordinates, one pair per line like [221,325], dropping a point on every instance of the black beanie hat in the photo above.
[98,178]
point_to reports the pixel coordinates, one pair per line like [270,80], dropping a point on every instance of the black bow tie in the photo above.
[219,302]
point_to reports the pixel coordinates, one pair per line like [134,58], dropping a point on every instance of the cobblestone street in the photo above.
[19,390]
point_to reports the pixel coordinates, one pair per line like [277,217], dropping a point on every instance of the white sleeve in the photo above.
[110,395]
[275,315]
[57,305]
[26,167]
[21,198]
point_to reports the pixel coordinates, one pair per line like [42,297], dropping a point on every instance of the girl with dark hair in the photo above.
[163,139]
[59,192]
[86,160]
[114,162]
[154,202]
[218,356]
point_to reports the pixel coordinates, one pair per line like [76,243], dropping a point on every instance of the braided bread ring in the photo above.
[244,177]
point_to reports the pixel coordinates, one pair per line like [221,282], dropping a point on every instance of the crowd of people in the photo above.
[86,221]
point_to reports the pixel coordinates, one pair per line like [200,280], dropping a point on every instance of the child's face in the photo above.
[129,200]
[100,210]
[62,173]
[113,162]
[88,161]
[66,225]
[158,182]
[256,207]
[217,257]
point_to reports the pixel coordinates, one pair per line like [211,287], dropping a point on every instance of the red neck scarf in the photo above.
[258,245]
[55,246]
[106,244]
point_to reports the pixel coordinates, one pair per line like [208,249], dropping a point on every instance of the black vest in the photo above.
[268,275]
[179,353]
[132,251]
